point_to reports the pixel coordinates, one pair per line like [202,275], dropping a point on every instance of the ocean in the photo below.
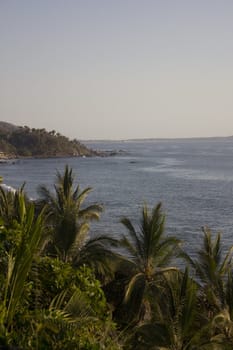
[192,178]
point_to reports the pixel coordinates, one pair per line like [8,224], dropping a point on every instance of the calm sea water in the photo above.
[192,178]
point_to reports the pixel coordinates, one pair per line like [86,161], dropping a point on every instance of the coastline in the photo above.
[5,157]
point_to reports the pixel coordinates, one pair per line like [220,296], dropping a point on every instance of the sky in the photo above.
[118,69]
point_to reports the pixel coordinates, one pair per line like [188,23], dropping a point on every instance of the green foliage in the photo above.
[212,269]
[69,223]
[73,312]
[5,146]
[68,218]
[149,252]
[18,262]
[88,284]
[26,142]
[62,307]
[50,277]
[9,205]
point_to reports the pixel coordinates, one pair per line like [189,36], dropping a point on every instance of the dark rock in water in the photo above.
[115,152]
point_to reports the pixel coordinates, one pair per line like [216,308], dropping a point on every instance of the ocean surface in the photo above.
[192,178]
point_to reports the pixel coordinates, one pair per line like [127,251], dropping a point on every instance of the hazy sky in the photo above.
[118,69]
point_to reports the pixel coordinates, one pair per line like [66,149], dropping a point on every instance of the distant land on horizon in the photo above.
[23,141]
[151,139]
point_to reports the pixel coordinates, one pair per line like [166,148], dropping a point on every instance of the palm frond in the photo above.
[82,195]
[152,336]
[227,262]
[132,252]
[78,306]
[135,287]
[92,212]
[80,238]
[97,252]
[135,237]
[31,237]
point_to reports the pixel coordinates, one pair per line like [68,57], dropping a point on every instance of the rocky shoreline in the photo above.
[6,157]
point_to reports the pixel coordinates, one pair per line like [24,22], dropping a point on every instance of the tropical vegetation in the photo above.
[63,287]
[23,141]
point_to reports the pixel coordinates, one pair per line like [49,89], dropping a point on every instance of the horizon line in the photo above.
[156,139]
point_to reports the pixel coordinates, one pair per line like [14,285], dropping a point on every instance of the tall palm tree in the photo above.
[149,252]
[68,218]
[212,269]
[69,221]
[214,275]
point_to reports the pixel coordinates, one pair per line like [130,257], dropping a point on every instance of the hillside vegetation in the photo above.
[18,141]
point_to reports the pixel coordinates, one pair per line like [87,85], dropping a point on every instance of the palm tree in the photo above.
[69,222]
[9,204]
[149,253]
[19,261]
[212,269]
[177,321]
[215,278]
[222,322]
